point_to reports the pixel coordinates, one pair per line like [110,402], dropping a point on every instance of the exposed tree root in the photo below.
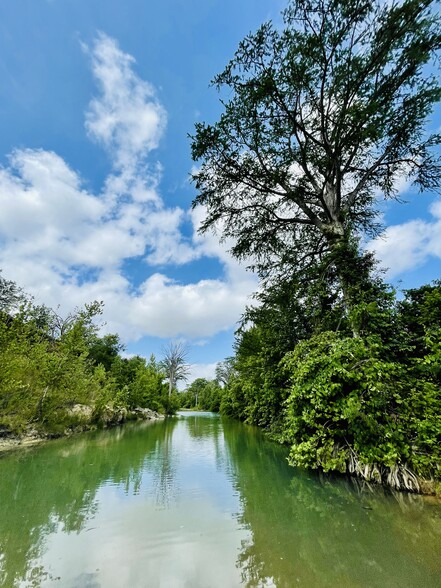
[398,476]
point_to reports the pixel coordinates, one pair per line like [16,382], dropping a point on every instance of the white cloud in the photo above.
[409,245]
[202,370]
[47,215]
[66,245]
[126,118]
[39,193]
[52,250]
[193,310]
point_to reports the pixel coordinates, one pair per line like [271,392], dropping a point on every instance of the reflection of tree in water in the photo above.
[60,480]
[317,531]
[203,426]
[165,470]
[207,428]
[201,429]
[304,529]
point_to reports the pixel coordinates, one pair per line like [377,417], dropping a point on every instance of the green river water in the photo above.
[195,501]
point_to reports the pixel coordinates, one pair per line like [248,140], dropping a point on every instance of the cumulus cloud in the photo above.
[126,117]
[409,245]
[66,244]
[47,215]
[193,310]
[202,370]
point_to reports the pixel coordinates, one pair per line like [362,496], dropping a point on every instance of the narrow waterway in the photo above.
[199,502]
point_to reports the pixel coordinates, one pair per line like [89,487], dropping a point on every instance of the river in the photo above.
[199,502]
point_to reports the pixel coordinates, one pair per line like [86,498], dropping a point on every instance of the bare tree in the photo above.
[174,363]
[224,371]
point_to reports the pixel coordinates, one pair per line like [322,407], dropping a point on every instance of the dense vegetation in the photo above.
[319,118]
[367,405]
[202,394]
[59,373]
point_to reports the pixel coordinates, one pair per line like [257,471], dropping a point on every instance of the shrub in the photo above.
[350,409]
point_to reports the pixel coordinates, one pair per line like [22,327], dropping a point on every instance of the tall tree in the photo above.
[320,117]
[11,295]
[175,364]
[104,350]
[225,371]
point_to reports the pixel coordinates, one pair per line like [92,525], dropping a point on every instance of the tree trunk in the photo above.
[351,273]
[40,404]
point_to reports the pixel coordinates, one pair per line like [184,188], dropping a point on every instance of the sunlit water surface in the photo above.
[198,502]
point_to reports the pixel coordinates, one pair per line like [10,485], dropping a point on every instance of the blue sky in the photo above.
[96,101]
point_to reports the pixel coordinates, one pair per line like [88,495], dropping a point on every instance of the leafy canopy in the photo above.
[321,116]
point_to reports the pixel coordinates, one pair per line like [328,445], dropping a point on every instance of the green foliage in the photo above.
[58,373]
[141,382]
[170,403]
[255,393]
[41,380]
[350,409]
[104,350]
[11,296]
[420,315]
[318,116]
[430,363]
[367,405]
[202,394]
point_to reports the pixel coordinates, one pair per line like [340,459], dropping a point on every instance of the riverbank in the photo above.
[110,417]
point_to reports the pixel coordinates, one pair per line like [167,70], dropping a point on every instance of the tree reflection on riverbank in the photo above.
[313,530]
[54,487]
[200,501]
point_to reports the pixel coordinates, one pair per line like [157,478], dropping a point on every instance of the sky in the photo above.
[97,99]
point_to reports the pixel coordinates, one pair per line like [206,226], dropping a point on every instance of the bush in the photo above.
[350,409]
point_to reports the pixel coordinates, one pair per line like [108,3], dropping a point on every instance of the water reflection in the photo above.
[165,473]
[196,501]
[53,489]
[319,531]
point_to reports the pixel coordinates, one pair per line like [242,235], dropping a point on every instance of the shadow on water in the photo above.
[287,527]
[313,530]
